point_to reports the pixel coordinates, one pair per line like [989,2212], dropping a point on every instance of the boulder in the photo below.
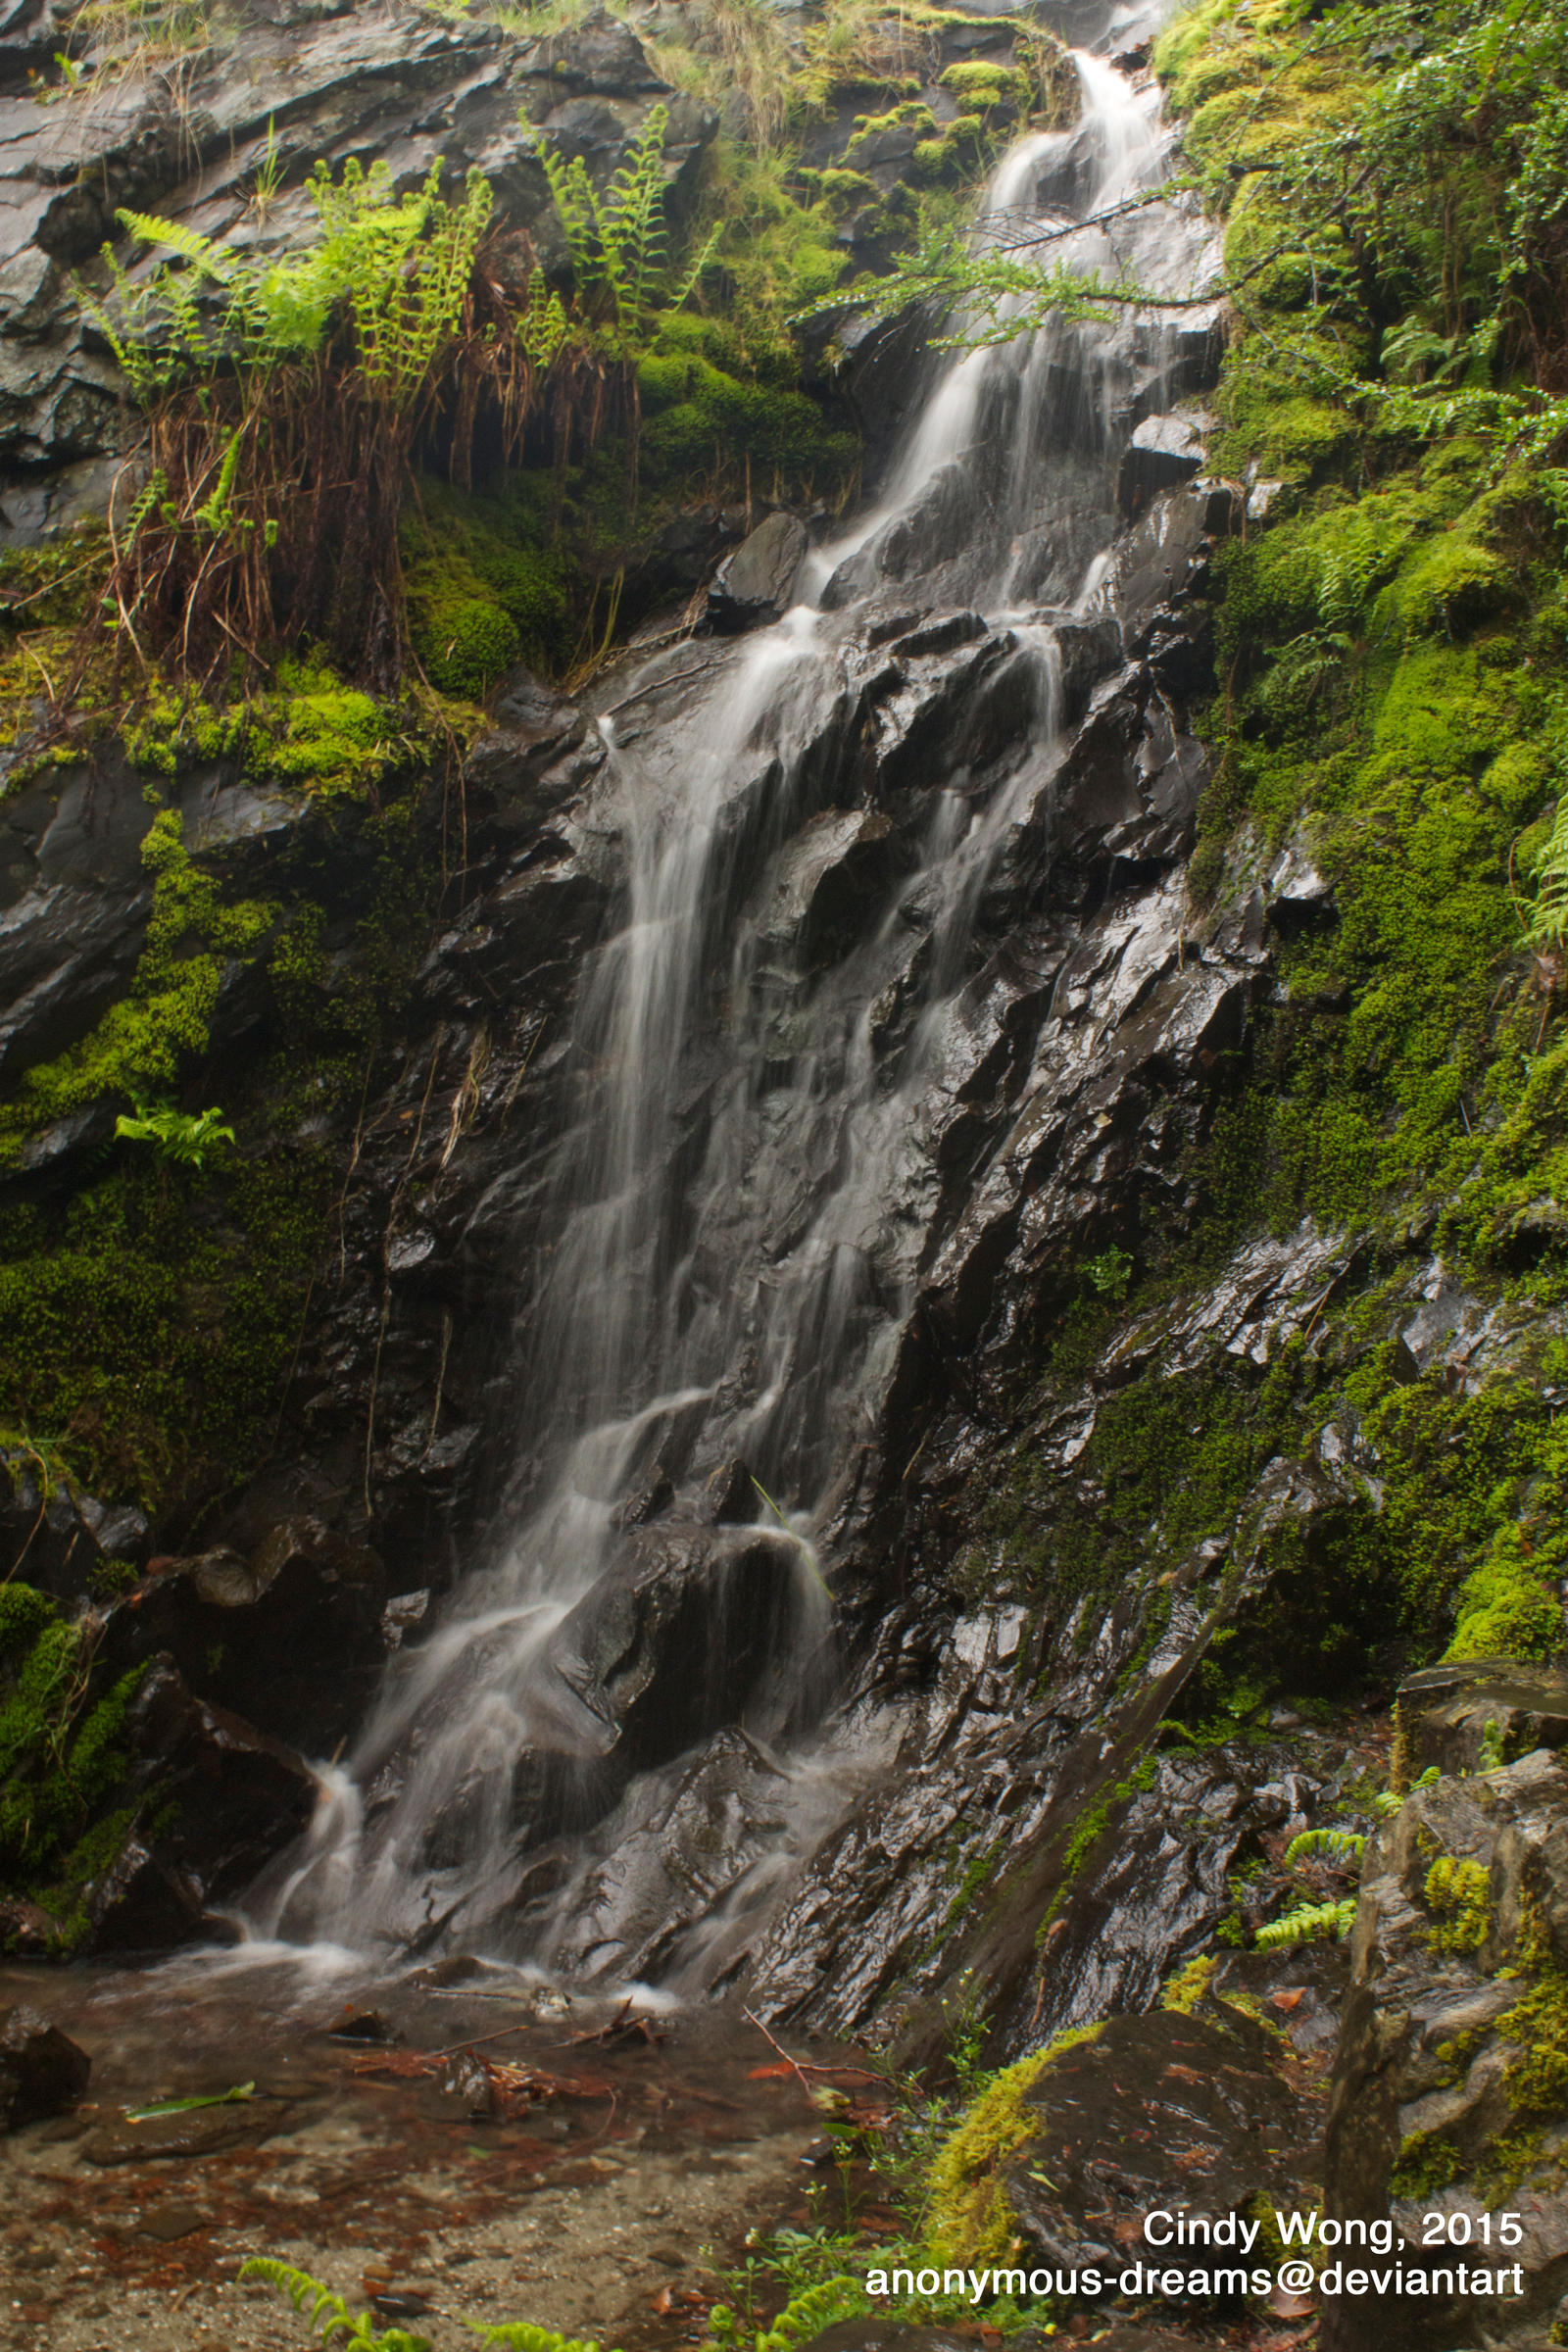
[1192,2114]
[41,2070]
[754,585]
[1449,2092]
[223,1797]
[833,870]
[1164,451]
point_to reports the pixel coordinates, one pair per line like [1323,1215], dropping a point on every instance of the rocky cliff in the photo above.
[1223,1289]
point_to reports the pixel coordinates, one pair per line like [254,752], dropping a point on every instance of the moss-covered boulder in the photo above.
[1064,2153]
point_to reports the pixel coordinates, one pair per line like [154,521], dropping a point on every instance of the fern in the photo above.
[804,2317]
[183,1136]
[1338,1845]
[1306,1923]
[328,2313]
[618,242]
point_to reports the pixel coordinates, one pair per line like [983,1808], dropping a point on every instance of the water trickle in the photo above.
[748,1180]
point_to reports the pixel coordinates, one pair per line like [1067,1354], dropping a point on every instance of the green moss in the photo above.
[61,1752]
[328,738]
[1507,1609]
[1187,1987]
[969,2219]
[1458,1894]
[485,588]
[144,1043]
[1426,2163]
[978,87]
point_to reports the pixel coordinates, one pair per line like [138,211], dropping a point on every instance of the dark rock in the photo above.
[835,867]
[1183,2114]
[1461,1936]
[1155,563]
[42,2070]
[731,1498]
[673,1643]
[754,585]
[254,1631]
[227,1795]
[363,2026]
[1458,1717]
[141,1904]
[1298,899]
[1163,452]
[201,2132]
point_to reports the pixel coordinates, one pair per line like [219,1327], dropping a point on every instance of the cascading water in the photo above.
[745,1183]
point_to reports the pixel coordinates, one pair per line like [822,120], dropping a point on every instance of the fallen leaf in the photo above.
[212,2098]
[769,2074]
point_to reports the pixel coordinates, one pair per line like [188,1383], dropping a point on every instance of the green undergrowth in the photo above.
[62,1756]
[969,2218]
[149,1309]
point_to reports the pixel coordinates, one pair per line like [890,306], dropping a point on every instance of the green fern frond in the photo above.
[1308,1921]
[178,237]
[1338,1845]
[327,2312]
[807,2315]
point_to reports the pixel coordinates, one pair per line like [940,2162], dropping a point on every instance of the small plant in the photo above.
[286,399]
[183,1137]
[1308,1922]
[1333,1845]
[330,2316]
[804,2316]
[623,281]
[1110,1272]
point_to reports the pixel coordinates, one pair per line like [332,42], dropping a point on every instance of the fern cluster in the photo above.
[623,277]
[803,2318]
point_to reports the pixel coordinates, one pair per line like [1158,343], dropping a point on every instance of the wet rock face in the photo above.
[225,1795]
[1447,2092]
[251,1630]
[43,2072]
[663,1649]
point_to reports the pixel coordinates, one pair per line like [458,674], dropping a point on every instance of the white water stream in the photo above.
[707,1292]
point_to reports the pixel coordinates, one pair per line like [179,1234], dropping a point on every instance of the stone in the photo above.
[252,1630]
[754,585]
[42,2070]
[838,865]
[1446,2094]
[1463,1716]
[228,1796]
[1185,2114]
[1165,450]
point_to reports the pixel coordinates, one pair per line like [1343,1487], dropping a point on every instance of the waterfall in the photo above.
[745,1183]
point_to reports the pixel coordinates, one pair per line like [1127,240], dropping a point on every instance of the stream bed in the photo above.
[586,2176]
